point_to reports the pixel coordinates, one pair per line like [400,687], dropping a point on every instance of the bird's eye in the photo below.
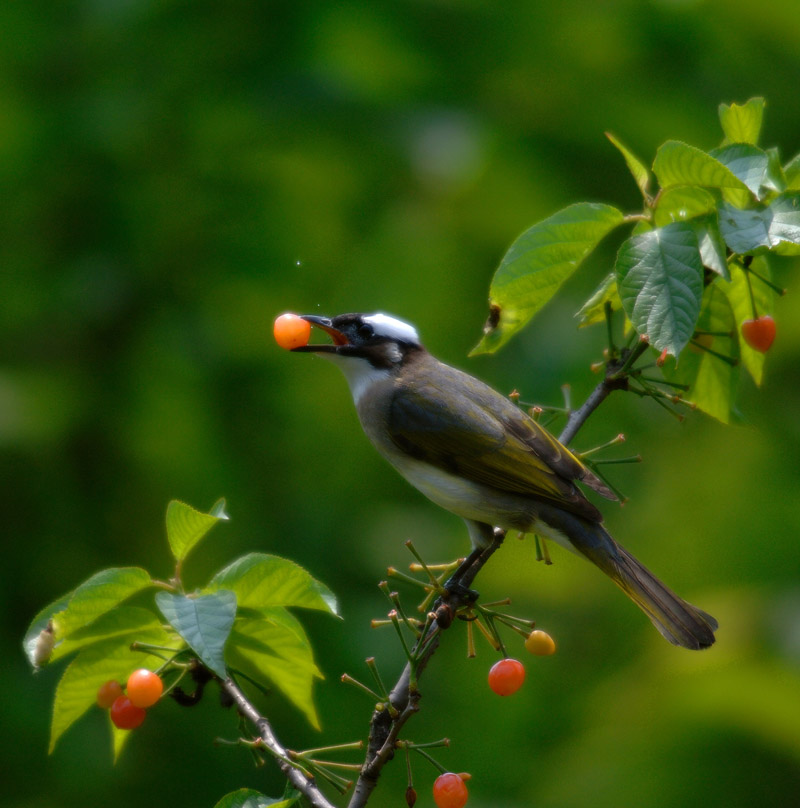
[365,331]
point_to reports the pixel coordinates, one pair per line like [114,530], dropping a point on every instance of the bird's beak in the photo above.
[324,324]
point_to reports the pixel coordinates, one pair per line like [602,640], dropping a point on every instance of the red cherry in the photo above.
[144,688]
[759,333]
[108,693]
[449,791]
[291,331]
[506,676]
[126,715]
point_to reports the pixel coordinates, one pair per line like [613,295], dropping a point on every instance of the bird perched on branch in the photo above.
[474,453]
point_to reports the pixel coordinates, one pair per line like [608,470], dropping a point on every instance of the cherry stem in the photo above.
[750,290]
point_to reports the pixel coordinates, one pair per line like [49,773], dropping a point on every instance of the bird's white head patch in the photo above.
[391,327]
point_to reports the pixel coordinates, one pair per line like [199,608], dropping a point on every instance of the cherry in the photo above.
[108,693]
[144,688]
[449,791]
[540,643]
[759,333]
[291,331]
[126,715]
[506,676]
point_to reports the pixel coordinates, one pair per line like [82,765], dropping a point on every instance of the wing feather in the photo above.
[455,422]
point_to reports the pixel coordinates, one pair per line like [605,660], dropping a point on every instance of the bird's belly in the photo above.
[468,499]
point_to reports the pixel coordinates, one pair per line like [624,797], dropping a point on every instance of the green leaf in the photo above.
[635,166]
[784,228]
[749,163]
[594,309]
[739,298]
[712,248]
[775,179]
[266,647]
[678,163]
[204,622]
[261,580]
[682,203]
[98,595]
[186,526]
[538,263]
[248,798]
[110,659]
[660,282]
[741,123]
[39,624]
[792,172]
[713,383]
[124,621]
[746,231]
[119,737]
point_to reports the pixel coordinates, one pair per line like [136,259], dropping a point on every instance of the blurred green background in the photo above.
[175,174]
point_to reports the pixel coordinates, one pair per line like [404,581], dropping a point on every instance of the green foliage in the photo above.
[203,622]
[186,526]
[256,635]
[260,581]
[697,260]
[538,262]
[248,798]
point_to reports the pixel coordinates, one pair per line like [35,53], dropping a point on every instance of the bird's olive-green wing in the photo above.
[460,425]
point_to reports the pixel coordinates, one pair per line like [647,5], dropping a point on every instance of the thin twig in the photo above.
[384,731]
[303,784]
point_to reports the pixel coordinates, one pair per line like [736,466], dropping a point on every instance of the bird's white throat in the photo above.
[360,374]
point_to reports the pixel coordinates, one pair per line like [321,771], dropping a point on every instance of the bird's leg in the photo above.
[485,539]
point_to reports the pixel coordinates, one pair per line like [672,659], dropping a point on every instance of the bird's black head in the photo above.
[382,340]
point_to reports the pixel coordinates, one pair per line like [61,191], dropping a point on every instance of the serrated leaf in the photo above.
[186,526]
[110,659]
[784,228]
[679,163]
[713,383]
[249,798]
[792,173]
[39,624]
[683,203]
[712,248]
[266,648]
[741,123]
[594,309]
[538,263]
[749,163]
[120,622]
[98,595]
[746,231]
[204,622]
[738,296]
[660,282]
[639,171]
[775,179]
[119,737]
[260,580]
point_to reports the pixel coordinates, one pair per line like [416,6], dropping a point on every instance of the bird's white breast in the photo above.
[360,374]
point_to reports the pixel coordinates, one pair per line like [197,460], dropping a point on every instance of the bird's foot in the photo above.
[455,589]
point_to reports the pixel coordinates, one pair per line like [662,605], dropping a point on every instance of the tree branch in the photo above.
[384,730]
[615,378]
[303,784]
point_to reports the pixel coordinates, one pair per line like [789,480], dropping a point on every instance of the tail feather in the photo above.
[679,622]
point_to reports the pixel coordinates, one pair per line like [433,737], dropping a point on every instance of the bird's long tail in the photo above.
[679,622]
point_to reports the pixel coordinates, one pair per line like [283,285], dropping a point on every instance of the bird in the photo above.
[475,453]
